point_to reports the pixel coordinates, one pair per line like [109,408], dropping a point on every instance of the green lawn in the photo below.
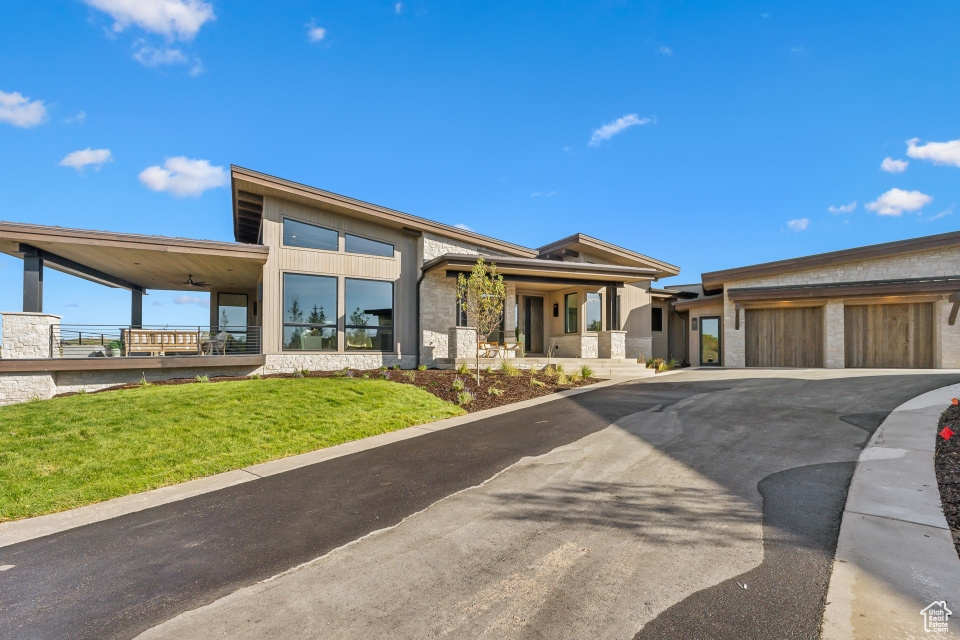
[66,452]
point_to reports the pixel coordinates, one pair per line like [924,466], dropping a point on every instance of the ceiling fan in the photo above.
[191,282]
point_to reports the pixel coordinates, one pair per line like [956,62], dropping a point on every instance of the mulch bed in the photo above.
[947,464]
[439,382]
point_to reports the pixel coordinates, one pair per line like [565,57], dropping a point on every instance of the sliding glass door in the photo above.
[710,341]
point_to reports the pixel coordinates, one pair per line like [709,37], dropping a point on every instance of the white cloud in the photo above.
[80,118]
[197,300]
[460,225]
[20,111]
[183,176]
[315,33]
[943,214]
[896,201]
[843,208]
[664,51]
[171,18]
[398,8]
[611,129]
[799,224]
[893,166]
[86,158]
[937,152]
[153,57]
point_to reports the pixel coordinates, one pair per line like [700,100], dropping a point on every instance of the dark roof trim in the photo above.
[945,284]
[714,280]
[693,303]
[664,267]
[467,261]
[399,219]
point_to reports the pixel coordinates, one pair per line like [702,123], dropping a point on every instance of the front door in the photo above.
[533,324]
[710,341]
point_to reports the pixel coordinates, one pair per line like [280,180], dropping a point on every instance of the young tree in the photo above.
[481,296]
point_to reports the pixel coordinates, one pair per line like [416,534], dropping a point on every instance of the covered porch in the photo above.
[230,273]
[553,309]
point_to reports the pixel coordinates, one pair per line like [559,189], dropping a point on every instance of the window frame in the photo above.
[309,325]
[566,313]
[660,310]
[393,317]
[586,302]
[283,243]
[393,247]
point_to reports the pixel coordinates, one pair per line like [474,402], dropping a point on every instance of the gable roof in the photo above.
[617,255]
[714,280]
[250,186]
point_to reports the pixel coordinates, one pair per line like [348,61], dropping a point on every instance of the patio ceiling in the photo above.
[147,262]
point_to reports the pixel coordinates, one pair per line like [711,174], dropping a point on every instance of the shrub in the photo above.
[421,367]
[365,376]
[385,374]
[562,379]
[494,391]
[410,375]
[534,382]
[509,370]
[255,376]
[463,369]
[143,381]
[464,398]
[586,372]
[202,378]
[657,365]
[298,373]
[458,384]
[396,367]
[381,368]
[488,369]
[575,376]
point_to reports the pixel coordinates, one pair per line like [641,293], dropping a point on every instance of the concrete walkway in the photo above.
[895,554]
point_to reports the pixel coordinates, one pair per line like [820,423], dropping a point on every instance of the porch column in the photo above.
[136,309]
[613,311]
[32,281]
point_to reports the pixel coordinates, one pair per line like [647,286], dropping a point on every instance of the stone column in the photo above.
[833,350]
[612,344]
[732,344]
[461,343]
[27,335]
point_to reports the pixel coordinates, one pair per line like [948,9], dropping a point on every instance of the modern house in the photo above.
[316,280]
[320,281]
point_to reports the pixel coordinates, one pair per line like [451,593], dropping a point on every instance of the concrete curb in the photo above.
[31,528]
[895,554]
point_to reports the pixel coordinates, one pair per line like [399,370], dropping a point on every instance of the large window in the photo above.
[309,312]
[369,314]
[232,318]
[594,312]
[356,244]
[656,319]
[309,236]
[571,312]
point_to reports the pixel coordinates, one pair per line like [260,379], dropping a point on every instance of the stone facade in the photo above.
[833,356]
[612,344]
[576,345]
[289,362]
[26,335]
[434,246]
[462,342]
[438,311]
[24,387]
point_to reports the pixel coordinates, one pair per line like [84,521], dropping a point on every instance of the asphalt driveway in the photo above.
[703,505]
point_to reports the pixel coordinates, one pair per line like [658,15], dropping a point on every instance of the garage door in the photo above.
[888,335]
[789,337]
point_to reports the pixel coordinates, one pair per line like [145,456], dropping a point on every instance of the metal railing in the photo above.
[121,341]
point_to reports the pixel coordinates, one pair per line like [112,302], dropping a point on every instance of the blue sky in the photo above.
[709,135]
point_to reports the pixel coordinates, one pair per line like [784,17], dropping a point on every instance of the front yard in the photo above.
[67,452]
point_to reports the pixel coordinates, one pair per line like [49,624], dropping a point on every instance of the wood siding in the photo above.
[787,337]
[889,335]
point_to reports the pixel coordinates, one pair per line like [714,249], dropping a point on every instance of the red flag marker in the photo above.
[946,432]
[955,401]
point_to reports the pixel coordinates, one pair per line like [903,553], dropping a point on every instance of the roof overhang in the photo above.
[572,246]
[249,187]
[870,288]
[696,303]
[134,261]
[714,280]
[534,270]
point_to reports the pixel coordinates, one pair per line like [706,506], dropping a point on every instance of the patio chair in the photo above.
[213,345]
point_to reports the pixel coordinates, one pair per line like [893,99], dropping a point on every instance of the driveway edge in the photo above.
[30,528]
[895,554]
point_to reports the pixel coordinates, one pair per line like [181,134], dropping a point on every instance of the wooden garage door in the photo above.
[789,337]
[888,335]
